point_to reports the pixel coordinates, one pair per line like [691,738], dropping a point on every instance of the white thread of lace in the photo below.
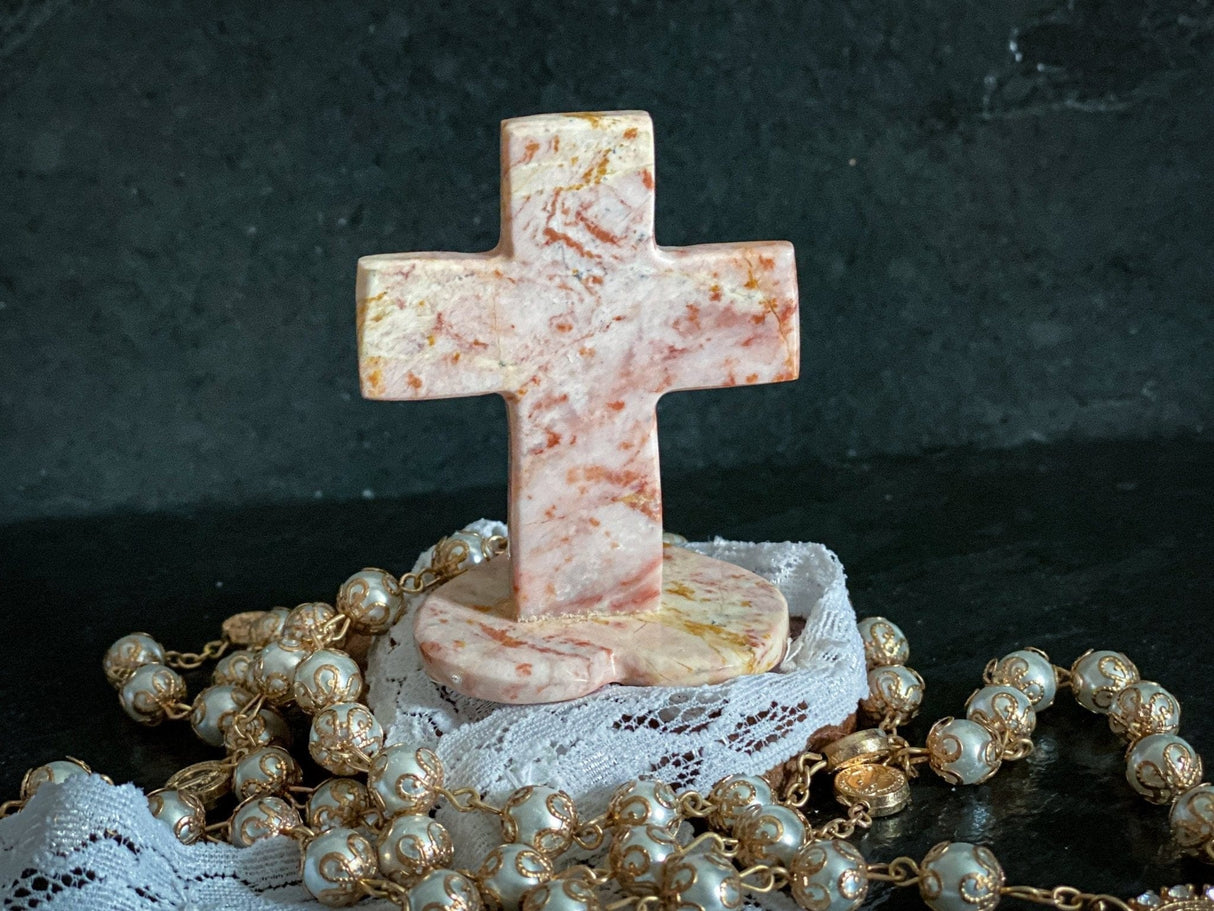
[87,844]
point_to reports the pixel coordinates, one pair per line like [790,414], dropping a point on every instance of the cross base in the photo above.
[716,621]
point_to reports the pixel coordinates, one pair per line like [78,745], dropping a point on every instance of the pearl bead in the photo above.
[411,847]
[181,811]
[770,834]
[1097,678]
[1160,766]
[509,872]
[541,817]
[405,780]
[444,890]
[644,802]
[269,770]
[214,709]
[343,737]
[962,751]
[327,677]
[235,668]
[309,625]
[733,794]
[828,876]
[958,876]
[702,882]
[1028,670]
[262,817]
[334,862]
[894,692]
[1192,820]
[569,890]
[268,627]
[373,601]
[339,802]
[150,692]
[51,773]
[884,642]
[637,856]
[475,544]
[1144,708]
[274,670]
[1004,711]
[128,654]
[265,728]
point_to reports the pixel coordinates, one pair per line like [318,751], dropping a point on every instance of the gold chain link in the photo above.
[809,764]
[189,661]
[590,834]
[1065,898]
[901,871]
[858,817]
[695,805]
[468,800]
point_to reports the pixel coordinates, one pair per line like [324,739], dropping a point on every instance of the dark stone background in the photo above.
[1001,213]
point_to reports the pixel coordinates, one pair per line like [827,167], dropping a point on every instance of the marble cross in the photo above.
[580,321]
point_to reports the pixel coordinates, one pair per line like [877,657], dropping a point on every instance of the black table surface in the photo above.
[1065,547]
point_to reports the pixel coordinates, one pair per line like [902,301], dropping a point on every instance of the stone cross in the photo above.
[580,321]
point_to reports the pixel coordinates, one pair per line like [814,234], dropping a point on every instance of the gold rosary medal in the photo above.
[208,780]
[883,789]
[870,745]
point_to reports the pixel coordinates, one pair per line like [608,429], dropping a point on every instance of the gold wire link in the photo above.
[335,629]
[468,800]
[901,871]
[695,805]
[1062,675]
[384,888]
[1065,898]
[177,710]
[218,832]
[988,672]
[590,834]
[244,741]
[858,817]
[9,807]
[809,764]
[1018,748]
[720,843]
[771,878]
[189,661]
[588,873]
[647,903]
[302,834]
[905,756]
[449,554]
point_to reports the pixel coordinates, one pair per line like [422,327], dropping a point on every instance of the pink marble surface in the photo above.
[714,621]
[581,322]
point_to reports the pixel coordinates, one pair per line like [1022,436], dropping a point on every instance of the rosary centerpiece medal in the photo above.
[580,321]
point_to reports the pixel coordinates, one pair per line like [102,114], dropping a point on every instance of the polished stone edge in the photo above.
[717,621]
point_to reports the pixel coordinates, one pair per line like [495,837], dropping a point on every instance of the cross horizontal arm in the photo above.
[730,316]
[428,325]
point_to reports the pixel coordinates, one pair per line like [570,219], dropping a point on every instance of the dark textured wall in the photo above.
[1001,211]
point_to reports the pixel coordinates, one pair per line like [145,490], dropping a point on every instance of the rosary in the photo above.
[367,831]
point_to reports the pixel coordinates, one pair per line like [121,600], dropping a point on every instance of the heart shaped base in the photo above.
[716,621]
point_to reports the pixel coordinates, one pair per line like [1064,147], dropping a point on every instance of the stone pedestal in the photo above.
[716,621]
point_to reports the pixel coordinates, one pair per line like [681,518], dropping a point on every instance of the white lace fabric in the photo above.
[87,844]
